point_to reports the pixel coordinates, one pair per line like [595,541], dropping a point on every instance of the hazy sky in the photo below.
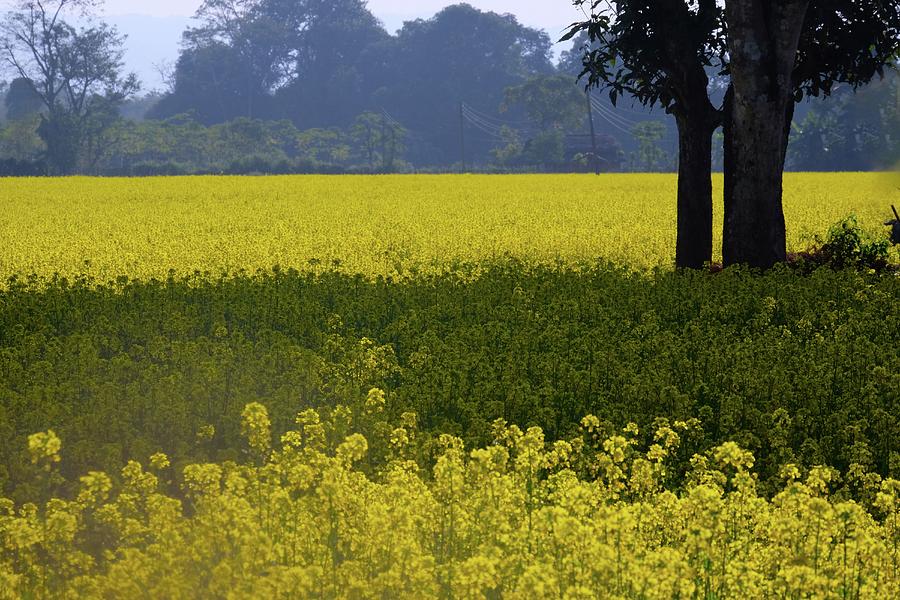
[551,15]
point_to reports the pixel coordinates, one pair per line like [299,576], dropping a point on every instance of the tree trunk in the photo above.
[763,40]
[754,226]
[61,133]
[697,119]
[693,248]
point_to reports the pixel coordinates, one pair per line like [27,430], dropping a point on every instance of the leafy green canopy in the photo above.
[648,48]
[322,63]
[651,49]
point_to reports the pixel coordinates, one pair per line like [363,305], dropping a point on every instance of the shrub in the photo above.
[849,245]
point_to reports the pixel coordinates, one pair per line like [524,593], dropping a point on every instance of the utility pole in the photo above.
[594,157]
[393,147]
[384,149]
[462,138]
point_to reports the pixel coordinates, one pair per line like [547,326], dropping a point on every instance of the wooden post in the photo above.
[462,138]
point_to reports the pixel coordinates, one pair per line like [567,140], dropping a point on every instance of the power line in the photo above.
[483,126]
[495,135]
[613,115]
[613,123]
[391,120]
[590,111]
[496,120]
[500,132]
[476,119]
[496,132]
[625,122]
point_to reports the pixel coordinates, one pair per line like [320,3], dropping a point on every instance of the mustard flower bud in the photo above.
[255,427]
[44,447]
[375,401]
[205,433]
[159,461]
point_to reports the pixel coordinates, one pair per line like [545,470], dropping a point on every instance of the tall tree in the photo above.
[211,82]
[659,52]
[76,71]
[301,60]
[330,46]
[763,39]
[460,54]
[781,51]
[775,52]
[241,46]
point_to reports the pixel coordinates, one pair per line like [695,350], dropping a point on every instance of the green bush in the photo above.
[848,245]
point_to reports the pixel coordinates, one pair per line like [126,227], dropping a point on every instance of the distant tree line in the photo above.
[280,86]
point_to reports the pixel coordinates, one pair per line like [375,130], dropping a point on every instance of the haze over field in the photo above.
[154,28]
[358,86]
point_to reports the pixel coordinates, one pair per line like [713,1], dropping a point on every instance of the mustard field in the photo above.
[381,225]
[512,520]
[448,387]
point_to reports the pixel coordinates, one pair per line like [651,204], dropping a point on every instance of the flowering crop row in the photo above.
[584,517]
[391,225]
[795,368]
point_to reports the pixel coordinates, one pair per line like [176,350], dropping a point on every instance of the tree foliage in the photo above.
[849,131]
[75,70]
[550,101]
[653,50]
[22,100]
[328,62]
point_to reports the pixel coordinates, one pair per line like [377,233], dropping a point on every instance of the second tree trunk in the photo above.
[693,248]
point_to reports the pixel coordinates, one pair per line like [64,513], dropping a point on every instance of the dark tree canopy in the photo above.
[273,59]
[651,50]
[22,100]
[846,41]
[321,63]
[215,73]
[458,55]
[325,75]
[631,47]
